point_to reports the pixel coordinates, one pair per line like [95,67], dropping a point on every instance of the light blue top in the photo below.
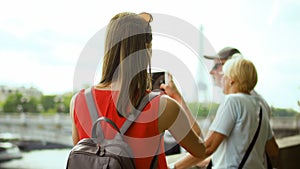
[237,118]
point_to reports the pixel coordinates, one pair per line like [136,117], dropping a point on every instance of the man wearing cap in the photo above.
[220,59]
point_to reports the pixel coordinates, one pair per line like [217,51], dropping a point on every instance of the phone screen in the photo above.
[157,79]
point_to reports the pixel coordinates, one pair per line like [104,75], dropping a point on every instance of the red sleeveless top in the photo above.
[143,136]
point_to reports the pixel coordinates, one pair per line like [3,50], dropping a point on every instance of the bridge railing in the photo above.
[285,122]
[49,128]
[57,127]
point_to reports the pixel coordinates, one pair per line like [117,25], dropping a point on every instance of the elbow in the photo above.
[209,151]
[209,148]
[200,153]
[274,152]
[272,148]
[200,156]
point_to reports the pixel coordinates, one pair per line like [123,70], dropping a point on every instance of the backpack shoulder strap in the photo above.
[133,116]
[91,104]
[93,111]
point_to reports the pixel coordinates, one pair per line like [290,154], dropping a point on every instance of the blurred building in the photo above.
[5,91]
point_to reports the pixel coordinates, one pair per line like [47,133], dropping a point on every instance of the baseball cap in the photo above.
[225,53]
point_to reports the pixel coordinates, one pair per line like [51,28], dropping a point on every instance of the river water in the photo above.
[39,159]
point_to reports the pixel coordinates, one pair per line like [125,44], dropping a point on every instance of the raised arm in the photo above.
[212,142]
[171,90]
[173,117]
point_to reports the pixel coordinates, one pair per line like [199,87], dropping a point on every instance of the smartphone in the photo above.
[158,78]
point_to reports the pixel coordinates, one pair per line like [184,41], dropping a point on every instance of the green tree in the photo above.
[22,102]
[67,99]
[56,103]
[30,105]
[203,109]
[1,106]
[12,103]
[17,102]
[48,103]
[280,112]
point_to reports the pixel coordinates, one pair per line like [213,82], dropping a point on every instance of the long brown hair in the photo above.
[127,56]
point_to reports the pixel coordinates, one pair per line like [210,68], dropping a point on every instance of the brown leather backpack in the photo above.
[98,152]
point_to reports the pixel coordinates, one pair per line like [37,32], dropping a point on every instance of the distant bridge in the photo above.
[49,128]
[57,128]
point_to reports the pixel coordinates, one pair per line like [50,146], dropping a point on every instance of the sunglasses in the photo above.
[148,17]
[216,66]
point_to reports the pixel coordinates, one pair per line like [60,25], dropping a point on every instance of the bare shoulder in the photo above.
[168,104]
[168,112]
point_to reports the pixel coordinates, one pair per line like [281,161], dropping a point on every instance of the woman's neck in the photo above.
[108,86]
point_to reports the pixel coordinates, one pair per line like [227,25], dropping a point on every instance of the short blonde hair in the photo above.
[243,72]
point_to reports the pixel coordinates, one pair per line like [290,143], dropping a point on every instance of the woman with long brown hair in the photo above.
[125,82]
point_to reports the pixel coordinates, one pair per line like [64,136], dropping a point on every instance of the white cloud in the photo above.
[274,11]
[21,69]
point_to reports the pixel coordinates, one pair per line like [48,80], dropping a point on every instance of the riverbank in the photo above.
[39,159]
[30,145]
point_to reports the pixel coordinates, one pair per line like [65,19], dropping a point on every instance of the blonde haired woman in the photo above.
[236,122]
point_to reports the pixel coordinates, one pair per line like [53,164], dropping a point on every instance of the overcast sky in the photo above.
[41,41]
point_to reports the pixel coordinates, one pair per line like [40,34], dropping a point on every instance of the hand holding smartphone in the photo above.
[158,78]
